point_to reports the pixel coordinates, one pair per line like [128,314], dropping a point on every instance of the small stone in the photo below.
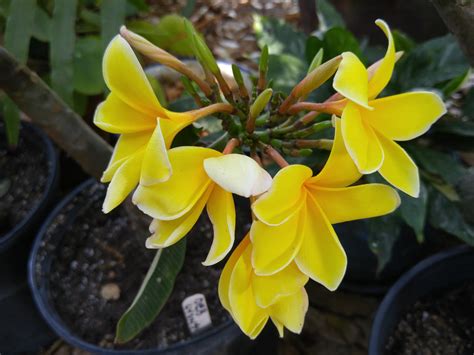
[110,292]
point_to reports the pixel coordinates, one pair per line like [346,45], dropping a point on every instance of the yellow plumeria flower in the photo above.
[177,203]
[295,216]
[253,299]
[370,126]
[146,129]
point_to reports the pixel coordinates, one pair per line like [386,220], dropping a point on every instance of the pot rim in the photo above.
[55,322]
[52,156]
[403,284]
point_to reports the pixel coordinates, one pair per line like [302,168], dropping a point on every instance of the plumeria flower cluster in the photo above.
[291,239]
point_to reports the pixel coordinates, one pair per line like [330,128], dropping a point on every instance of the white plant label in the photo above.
[196,313]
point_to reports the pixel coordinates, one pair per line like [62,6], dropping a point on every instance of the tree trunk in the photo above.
[459,17]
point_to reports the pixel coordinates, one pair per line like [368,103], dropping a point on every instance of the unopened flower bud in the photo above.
[316,78]
[317,60]
[260,102]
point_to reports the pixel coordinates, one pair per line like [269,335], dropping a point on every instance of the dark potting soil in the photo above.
[102,251]
[441,324]
[23,178]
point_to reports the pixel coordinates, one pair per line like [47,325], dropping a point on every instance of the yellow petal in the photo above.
[166,233]
[360,140]
[274,247]
[405,116]
[351,79]
[123,182]
[285,196]
[224,280]
[384,71]
[170,128]
[339,169]
[258,329]
[238,174]
[127,145]
[176,196]
[270,289]
[115,116]
[356,202]
[398,168]
[125,78]
[321,255]
[221,211]
[156,165]
[245,311]
[290,311]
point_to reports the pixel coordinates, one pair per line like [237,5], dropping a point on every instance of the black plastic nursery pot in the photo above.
[362,276]
[433,276]
[34,144]
[34,162]
[67,272]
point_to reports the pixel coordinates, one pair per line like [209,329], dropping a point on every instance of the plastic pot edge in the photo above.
[402,284]
[61,329]
[32,217]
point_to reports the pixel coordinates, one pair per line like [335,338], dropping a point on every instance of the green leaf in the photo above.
[286,71]
[11,117]
[18,31]
[403,42]
[4,8]
[445,215]
[112,16]
[334,42]
[169,34]
[281,37]
[438,163]
[63,39]
[154,292]
[158,90]
[19,28]
[42,26]
[413,211]
[454,84]
[338,40]
[88,65]
[383,233]
[468,105]
[188,9]
[429,65]
[140,5]
[328,16]
[460,128]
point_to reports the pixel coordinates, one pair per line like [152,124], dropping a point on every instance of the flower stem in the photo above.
[274,155]
[231,145]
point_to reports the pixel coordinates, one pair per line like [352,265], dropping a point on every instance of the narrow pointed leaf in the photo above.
[62,44]
[112,16]
[154,292]
[18,31]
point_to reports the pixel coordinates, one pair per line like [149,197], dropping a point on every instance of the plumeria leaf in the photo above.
[286,71]
[154,292]
[383,233]
[402,41]
[328,16]
[431,64]
[334,42]
[445,215]
[459,128]
[414,210]
[280,36]
[444,165]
